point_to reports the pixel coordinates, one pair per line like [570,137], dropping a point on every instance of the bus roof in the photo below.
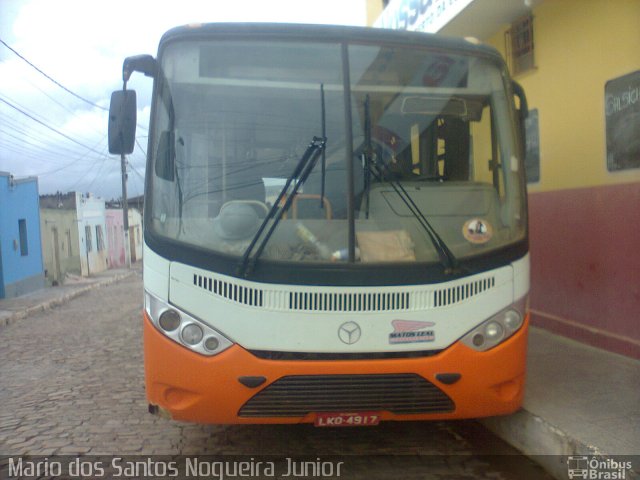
[327,33]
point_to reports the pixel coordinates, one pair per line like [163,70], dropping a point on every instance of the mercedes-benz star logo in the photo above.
[349,332]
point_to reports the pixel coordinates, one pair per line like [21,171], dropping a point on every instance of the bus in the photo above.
[335,225]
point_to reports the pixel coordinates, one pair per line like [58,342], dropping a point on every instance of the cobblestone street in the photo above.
[72,384]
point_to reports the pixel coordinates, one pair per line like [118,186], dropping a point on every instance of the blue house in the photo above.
[21,267]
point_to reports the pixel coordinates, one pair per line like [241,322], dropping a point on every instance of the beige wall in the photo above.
[579,46]
[68,251]
[374,9]
[135,234]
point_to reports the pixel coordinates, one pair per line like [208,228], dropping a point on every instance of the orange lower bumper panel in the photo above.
[237,387]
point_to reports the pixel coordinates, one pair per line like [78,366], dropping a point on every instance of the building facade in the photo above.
[73,235]
[115,234]
[579,65]
[21,267]
[135,234]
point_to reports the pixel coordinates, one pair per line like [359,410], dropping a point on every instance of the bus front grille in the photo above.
[296,396]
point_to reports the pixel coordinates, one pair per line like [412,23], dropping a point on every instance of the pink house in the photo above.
[115,235]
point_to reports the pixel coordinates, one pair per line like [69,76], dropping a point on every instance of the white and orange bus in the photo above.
[335,225]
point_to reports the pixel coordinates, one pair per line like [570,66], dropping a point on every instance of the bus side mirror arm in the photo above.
[145,64]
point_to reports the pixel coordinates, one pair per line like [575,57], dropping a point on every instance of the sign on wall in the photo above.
[420,15]
[622,111]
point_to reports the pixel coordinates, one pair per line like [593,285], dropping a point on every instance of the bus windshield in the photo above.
[417,143]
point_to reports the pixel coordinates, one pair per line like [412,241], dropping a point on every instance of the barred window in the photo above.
[24,244]
[69,251]
[99,238]
[87,235]
[519,45]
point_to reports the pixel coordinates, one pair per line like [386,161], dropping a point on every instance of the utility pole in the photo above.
[125,202]
[125,211]
[122,123]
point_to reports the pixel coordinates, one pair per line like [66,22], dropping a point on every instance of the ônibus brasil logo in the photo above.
[597,468]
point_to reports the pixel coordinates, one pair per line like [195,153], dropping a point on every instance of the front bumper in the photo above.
[191,387]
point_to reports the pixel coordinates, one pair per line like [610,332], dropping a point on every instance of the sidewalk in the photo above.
[579,400]
[12,309]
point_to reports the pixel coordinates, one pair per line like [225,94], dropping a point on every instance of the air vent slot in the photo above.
[348,302]
[231,291]
[449,296]
[338,300]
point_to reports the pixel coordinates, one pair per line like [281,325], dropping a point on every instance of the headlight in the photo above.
[478,339]
[169,320]
[211,344]
[513,320]
[493,331]
[192,334]
[498,328]
[184,329]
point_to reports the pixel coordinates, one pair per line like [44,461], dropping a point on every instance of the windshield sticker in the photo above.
[409,331]
[477,231]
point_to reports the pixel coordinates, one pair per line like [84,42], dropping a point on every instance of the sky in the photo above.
[54,100]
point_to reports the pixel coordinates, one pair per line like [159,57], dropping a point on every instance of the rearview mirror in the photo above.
[122,122]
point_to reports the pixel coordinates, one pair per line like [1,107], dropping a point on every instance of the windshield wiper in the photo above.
[447,258]
[299,175]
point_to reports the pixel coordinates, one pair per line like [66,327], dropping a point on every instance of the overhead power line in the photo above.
[37,143]
[48,126]
[52,79]
[140,147]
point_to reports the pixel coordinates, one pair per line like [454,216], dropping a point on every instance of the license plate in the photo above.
[358,419]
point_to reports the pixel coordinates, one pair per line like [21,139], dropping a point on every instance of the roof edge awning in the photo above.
[463,18]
